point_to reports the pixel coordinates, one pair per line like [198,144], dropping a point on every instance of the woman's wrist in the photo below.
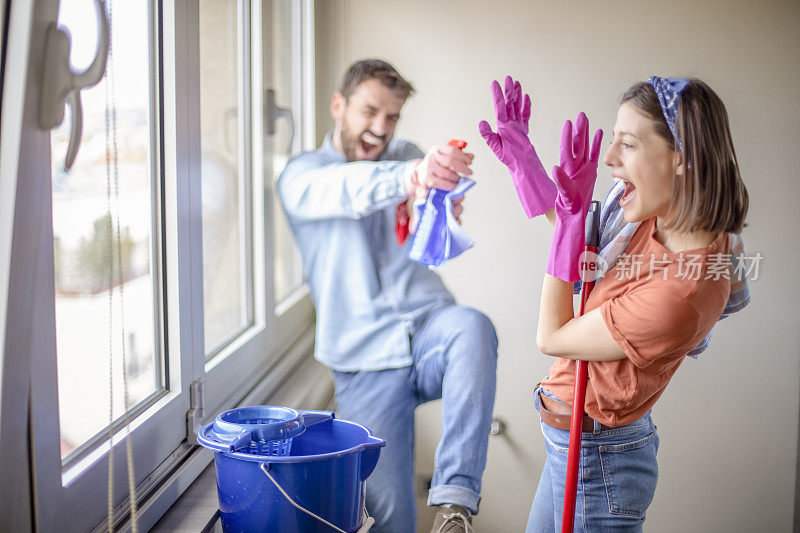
[566,247]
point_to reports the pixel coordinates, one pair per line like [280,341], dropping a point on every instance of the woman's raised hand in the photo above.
[574,177]
[511,146]
[512,111]
[577,169]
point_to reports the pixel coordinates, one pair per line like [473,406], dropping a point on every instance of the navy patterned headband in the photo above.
[668,90]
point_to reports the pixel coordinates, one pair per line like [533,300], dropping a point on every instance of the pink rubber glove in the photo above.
[574,178]
[511,145]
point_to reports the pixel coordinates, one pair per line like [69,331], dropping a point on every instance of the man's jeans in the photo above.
[617,480]
[455,359]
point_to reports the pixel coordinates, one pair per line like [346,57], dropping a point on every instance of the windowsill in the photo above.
[196,509]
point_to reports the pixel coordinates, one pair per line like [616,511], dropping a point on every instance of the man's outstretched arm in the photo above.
[310,191]
[342,190]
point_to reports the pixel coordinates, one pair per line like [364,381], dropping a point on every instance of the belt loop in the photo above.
[597,427]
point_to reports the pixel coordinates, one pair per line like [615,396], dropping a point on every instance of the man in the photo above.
[388,327]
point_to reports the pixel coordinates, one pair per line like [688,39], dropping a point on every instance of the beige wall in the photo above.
[729,421]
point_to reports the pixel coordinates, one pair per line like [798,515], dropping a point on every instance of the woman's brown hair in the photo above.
[711,195]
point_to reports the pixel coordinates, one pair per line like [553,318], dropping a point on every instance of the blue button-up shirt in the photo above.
[369,296]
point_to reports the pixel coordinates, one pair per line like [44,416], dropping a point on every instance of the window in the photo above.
[169,281]
[105,265]
[287,83]
[225,173]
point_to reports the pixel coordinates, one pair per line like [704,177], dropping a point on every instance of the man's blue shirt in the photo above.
[369,296]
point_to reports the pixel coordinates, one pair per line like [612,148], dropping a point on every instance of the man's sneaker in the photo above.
[452,519]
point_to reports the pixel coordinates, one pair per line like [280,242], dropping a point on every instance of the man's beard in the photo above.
[351,144]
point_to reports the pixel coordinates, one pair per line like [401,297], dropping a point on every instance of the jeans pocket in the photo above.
[630,475]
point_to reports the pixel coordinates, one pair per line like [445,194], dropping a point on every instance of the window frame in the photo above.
[15,118]
[76,493]
[163,450]
[271,334]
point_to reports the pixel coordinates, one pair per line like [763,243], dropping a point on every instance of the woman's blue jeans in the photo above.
[617,480]
[454,358]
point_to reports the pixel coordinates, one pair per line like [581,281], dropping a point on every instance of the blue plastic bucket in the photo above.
[324,472]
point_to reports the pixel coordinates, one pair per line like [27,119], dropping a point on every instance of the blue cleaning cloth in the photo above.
[439,237]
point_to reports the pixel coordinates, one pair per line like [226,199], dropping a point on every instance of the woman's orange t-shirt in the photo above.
[658,305]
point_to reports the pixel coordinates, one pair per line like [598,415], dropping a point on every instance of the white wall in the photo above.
[729,421]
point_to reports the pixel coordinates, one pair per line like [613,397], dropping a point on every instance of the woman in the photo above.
[683,203]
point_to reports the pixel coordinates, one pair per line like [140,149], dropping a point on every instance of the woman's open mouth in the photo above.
[628,195]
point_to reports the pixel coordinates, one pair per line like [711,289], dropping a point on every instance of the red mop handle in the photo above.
[581,374]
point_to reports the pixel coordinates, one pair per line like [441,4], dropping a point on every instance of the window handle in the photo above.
[272,113]
[61,85]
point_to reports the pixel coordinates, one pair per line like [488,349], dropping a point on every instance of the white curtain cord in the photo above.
[112,166]
[110,254]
